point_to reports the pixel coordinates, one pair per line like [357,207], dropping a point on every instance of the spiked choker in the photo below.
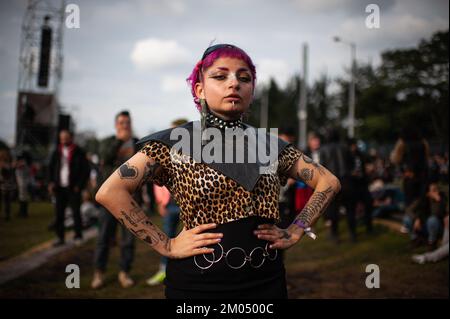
[215,121]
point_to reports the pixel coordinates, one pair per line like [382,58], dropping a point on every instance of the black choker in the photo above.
[215,121]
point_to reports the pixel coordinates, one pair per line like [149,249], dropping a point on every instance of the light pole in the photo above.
[351,94]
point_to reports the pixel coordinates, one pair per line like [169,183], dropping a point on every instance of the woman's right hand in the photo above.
[193,242]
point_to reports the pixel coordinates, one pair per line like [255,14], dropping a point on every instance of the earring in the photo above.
[203,114]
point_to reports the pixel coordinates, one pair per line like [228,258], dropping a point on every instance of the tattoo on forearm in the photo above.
[317,166]
[136,213]
[306,174]
[138,223]
[316,206]
[127,171]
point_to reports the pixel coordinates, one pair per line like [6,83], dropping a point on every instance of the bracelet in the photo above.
[307,229]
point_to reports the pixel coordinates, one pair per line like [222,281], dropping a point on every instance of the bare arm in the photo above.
[325,186]
[116,195]
[397,153]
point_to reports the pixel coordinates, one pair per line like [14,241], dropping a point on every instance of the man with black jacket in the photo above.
[114,151]
[68,175]
[335,156]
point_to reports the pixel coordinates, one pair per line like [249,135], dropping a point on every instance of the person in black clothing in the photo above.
[114,151]
[68,175]
[424,217]
[359,187]
[411,153]
[336,157]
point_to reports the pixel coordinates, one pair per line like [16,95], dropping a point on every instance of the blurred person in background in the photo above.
[7,182]
[23,178]
[114,151]
[437,254]
[336,157]
[424,217]
[359,185]
[68,176]
[411,155]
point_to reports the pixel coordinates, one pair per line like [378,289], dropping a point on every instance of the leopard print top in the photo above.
[207,196]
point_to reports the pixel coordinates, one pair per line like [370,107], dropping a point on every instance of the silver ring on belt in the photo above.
[246,258]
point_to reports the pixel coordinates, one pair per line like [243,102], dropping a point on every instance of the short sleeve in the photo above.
[160,153]
[288,157]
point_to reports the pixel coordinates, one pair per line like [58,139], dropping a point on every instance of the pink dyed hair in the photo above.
[202,65]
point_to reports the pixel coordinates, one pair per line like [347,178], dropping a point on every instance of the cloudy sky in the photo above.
[137,54]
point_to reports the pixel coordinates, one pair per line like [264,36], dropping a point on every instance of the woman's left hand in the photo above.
[280,238]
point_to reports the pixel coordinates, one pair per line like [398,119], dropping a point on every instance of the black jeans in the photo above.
[67,197]
[107,230]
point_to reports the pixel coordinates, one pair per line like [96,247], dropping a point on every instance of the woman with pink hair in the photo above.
[229,244]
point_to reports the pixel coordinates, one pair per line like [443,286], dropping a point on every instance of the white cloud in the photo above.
[172,84]
[320,6]
[395,30]
[162,7]
[267,68]
[155,53]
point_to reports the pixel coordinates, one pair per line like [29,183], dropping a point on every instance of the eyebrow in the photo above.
[239,70]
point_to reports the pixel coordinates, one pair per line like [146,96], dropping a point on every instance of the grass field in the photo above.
[315,269]
[20,234]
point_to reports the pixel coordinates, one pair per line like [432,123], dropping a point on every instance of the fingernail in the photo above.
[219,239]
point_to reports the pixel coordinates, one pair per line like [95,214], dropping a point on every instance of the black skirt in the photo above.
[242,266]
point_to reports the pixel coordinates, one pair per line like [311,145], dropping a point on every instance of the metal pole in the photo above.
[302,110]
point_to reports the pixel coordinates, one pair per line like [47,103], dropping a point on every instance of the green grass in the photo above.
[48,281]
[322,269]
[315,269]
[20,234]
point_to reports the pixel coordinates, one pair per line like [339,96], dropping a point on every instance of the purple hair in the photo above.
[202,65]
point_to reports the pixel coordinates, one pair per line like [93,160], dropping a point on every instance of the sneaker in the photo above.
[157,278]
[404,230]
[97,280]
[419,259]
[125,280]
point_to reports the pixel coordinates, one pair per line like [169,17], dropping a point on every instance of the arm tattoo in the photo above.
[140,225]
[127,171]
[317,166]
[285,234]
[153,172]
[306,174]
[316,206]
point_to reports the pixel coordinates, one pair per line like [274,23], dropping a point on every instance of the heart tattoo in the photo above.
[127,171]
